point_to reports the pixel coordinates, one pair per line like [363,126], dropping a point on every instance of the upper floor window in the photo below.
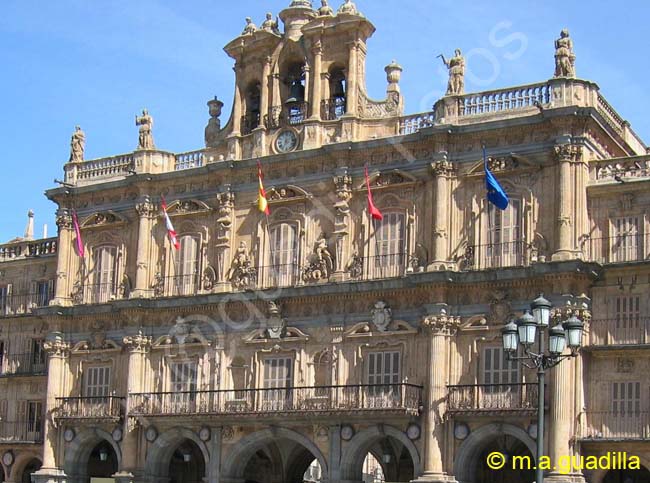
[5,295]
[97,383]
[38,356]
[42,292]
[505,241]
[383,368]
[2,356]
[30,418]
[278,377]
[251,119]
[187,261]
[104,285]
[626,398]
[284,268]
[390,246]
[497,369]
[627,242]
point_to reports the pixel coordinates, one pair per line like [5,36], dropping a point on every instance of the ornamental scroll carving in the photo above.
[370,109]
[242,273]
[321,263]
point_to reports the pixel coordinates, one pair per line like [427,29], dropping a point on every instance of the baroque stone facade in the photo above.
[315,343]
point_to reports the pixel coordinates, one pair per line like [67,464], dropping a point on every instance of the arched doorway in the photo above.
[641,475]
[380,454]
[33,466]
[509,446]
[275,455]
[102,462]
[187,464]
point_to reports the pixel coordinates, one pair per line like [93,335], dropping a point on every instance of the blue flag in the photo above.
[495,193]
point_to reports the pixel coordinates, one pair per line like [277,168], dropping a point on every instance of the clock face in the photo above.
[286,141]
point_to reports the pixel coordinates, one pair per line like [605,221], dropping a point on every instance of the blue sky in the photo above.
[98,63]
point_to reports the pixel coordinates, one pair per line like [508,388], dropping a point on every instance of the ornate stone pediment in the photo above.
[290,334]
[500,164]
[385,179]
[365,329]
[97,341]
[287,193]
[103,218]
[183,332]
[187,207]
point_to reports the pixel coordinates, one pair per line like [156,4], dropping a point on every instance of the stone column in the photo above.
[566,155]
[237,107]
[65,257]
[442,170]
[265,93]
[316,91]
[58,351]
[440,329]
[138,346]
[352,81]
[146,212]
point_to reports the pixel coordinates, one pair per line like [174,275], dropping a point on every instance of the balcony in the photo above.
[30,431]
[96,293]
[292,114]
[28,249]
[101,408]
[619,331]
[492,398]
[14,304]
[608,426]
[250,121]
[31,364]
[396,399]
[333,109]
[496,255]
[624,248]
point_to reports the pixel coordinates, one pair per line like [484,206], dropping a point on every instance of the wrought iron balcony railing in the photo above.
[477,398]
[607,425]
[395,398]
[496,255]
[12,304]
[96,408]
[292,114]
[623,330]
[250,121]
[98,293]
[623,248]
[333,109]
[30,364]
[29,431]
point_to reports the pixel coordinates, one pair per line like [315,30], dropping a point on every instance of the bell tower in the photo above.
[310,89]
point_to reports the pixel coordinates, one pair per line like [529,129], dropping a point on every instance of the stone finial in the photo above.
[214,124]
[145,139]
[393,73]
[349,8]
[77,145]
[29,229]
[456,66]
[250,27]
[325,9]
[565,59]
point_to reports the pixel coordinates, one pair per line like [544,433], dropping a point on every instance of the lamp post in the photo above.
[531,327]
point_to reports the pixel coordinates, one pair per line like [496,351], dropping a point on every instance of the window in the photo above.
[383,376]
[278,376]
[627,323]
[30,420]
[323,373]
[2,357]
[187,266]
[5,297]
[284,255]
[98,382]
[38,357]
[42,292]
[501,380]
[626,398]
[505,242]
[104,286]
[627,241]
[183,386]
[390,248]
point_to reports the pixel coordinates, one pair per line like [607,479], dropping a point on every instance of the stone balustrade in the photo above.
[27,249]
[619,169]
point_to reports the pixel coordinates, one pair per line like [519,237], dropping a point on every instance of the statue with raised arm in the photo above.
[250,27]
[456,66]
[145,141]
[565,59]
[77,145]
[271,25]
[325,9]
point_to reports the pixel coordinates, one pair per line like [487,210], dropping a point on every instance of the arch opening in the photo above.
[187,464]
[33,466]
[642,475]
[102,462]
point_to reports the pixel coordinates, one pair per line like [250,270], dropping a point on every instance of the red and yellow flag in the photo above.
[262,202]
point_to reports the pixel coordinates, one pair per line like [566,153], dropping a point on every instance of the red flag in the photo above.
[374,211]
[170,228]
[262,202]
[77,232]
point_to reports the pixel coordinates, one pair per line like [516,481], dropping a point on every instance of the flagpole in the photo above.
[374,228]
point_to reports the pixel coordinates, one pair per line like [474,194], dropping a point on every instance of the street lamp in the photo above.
[525,331]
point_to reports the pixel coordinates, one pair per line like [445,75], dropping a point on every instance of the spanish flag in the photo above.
[262,203]
[173,237]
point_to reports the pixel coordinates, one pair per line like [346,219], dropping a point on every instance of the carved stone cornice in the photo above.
[568,152]
[442,324]
[57,347]
[146,208]
[138,342]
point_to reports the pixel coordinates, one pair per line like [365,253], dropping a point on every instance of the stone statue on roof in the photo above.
[325,9]
[456,66]
[145,140]
[250,27]
[77,145]
[271,25]
[565,59]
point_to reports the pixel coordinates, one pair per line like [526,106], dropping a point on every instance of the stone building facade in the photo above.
[292,346]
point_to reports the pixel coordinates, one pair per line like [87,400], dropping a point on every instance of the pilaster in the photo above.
[147,212]
[342,249]
[443,170]
[65,259]
[566,155]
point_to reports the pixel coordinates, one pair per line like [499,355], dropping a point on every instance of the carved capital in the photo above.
[442,324]
[568,152]
[442,168]
[138,342]
[64,219]
[56,346]
[146,208]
